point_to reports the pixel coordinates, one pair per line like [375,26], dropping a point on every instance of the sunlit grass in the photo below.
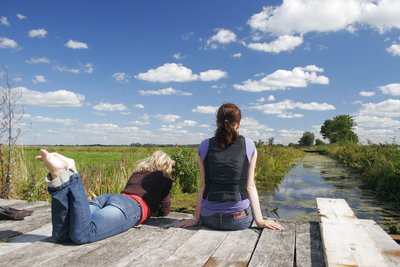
[107,169]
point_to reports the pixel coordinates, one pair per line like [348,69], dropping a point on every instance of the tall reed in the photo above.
[379,165]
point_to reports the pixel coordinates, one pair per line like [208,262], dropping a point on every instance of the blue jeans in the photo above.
[228,221]
[74,218]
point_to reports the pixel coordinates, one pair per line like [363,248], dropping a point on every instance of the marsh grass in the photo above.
[379,166]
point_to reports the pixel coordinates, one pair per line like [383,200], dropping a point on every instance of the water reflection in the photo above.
[320,176]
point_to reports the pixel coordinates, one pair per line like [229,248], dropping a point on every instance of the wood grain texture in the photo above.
[346,242]
[275,248]
[309,248]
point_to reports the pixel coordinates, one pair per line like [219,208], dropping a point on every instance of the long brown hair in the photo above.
[228,116]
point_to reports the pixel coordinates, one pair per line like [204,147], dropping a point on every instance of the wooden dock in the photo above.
[158,243]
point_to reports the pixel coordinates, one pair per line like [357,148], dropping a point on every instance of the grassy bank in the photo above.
[379,166]
[106,170]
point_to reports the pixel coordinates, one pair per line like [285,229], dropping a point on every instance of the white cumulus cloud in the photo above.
[39,79]
[6,43]
[34,60]
[65,69]
[281,108]
[391,89]
[121,77]
[172,72]
[303,16]
[178,56]
[212,75]
[388,108]
[83,68]
[4,21]
[165,91]
[282,44]
[237,55]
[20,16]
[394,49]
[87,68]
[205,109]
[44,119]
[73,44]
[139,106]
[376,122]
[109,107]
[37,33]
[366,93]
[59,98]
[249,124]
[284,79]
[188,123]
[167,118]
[223,36]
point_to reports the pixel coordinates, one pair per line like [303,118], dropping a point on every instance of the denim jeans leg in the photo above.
[69,202]
[60,213]
[73,218]
[111,214]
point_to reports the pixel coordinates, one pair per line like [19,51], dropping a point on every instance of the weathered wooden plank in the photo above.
[128,247]
[23,204]
[11,202]
[345,240]
[155,252]
[169,221]
[47,253]
[198,249]
[10,228]
[309,247]
[388,247]
[21,241]
[236,249]
[275,248]
[104,252]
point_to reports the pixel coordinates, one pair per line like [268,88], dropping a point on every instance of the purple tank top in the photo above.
[209,208]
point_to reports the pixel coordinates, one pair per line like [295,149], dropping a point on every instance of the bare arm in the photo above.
[254,200]
[196,215]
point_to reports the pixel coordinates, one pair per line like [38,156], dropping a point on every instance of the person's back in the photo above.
[227,197]
[226,171]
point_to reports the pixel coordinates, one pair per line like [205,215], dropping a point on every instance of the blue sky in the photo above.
[121,72]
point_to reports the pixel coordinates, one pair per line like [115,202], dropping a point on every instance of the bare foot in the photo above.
[55,163]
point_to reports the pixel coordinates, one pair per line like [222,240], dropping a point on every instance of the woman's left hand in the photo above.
[270,224]
[187,223]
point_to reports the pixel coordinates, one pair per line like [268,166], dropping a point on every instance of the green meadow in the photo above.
[106,169]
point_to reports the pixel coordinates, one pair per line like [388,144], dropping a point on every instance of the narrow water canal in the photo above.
[320,176]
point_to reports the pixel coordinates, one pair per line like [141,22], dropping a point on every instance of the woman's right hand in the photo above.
[187,223]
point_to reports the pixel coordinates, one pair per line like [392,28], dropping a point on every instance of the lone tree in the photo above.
[340,129]
[10,115]
[307,139]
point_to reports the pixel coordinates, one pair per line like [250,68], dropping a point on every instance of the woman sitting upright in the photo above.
[227,197]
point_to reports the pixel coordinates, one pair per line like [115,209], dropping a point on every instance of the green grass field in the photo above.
[105,169]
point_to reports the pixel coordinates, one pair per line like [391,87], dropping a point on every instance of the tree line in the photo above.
[339,130]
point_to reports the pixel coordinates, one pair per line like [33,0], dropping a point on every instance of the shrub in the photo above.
[186,172]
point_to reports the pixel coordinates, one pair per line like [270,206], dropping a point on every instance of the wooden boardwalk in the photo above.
[158,243]
[349,241]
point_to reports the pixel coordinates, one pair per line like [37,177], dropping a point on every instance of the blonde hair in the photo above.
[158,161]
